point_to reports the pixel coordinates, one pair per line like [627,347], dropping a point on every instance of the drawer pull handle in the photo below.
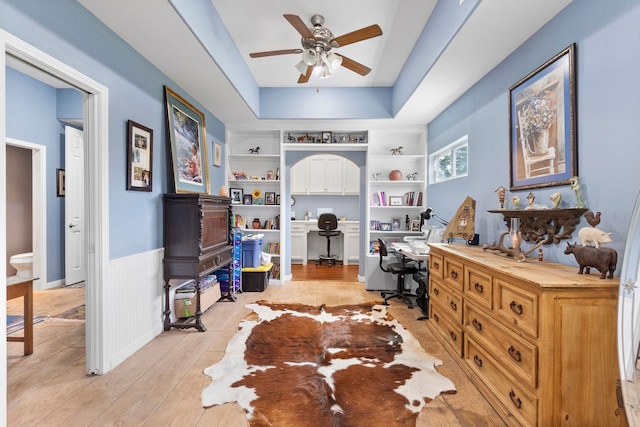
[476,324]
[436,318]
[515,354]
[516,308]
[454,306]
[453,336]
[479,287]
[477,360]
[436,265]
[454,274]
[436,291]
[516,400]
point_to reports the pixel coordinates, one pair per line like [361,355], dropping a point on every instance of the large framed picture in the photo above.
[187,134]
[542,125]
[139,156]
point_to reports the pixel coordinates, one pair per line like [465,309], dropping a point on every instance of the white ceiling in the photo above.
[494,30]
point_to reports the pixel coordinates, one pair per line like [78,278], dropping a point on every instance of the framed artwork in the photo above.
[415,225]
[326,137]
[217,154]
[396,224]
[139,156]
[187,134]
[278,199]
[385,226]
[269,198]
[270,176]
[395,201]
[542,125]
[247,199]
[60,182]
[237,196]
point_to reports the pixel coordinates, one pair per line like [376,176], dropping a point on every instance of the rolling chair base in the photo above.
[390,295]
[330,260]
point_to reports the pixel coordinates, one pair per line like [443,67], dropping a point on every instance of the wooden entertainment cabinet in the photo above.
[196,243]
[536,338]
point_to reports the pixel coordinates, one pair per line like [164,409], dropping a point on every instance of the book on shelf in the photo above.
[412,198]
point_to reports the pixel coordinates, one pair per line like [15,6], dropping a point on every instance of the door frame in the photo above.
[96,126]
[39,209]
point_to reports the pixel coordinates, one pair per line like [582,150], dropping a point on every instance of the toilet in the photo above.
[23,263]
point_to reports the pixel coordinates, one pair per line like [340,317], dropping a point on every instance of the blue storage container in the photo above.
[251,249]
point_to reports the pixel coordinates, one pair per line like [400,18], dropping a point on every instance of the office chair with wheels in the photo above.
[400,269]
[328,223]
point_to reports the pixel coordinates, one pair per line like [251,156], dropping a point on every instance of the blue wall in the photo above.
[607,69]
[67,31]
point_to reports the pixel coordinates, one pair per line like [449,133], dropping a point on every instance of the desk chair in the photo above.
[328,223]
[400,269]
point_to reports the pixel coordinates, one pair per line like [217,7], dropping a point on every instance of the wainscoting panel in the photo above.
[135,306]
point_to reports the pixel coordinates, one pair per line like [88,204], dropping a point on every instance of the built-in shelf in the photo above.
[550,225]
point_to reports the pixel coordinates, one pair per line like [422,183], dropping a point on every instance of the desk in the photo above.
[405,249]
[350,239]
[23,287]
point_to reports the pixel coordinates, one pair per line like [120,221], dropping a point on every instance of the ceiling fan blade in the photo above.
[299,25]
[274,52]
[305,77]
[354,66]
[358,35]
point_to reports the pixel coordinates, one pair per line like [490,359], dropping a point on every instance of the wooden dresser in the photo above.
[537,338]
[196,243]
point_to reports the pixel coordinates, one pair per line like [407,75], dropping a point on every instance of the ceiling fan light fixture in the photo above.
[309,56]
[333,61]
[302,67]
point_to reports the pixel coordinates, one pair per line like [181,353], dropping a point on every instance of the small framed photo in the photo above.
[217,154]
[60,182]
[270,176]
[139,156]
[415,225]
[385,226]
[396,224]
[269,198]
[278,200]
[237,196]
[395,201]
[326,137]
[247,199]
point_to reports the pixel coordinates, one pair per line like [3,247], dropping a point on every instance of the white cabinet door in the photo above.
[352,235]
[334,174]
[325,174]
[300,178]
[351,178]
[298,243]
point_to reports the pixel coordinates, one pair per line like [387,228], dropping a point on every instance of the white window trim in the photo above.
[449,149]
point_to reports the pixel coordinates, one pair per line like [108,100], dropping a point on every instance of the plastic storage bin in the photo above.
[256,279]
[251,249]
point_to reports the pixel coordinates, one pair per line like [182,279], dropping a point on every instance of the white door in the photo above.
[74,207]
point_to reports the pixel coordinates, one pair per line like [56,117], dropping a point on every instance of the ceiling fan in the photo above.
[317,43]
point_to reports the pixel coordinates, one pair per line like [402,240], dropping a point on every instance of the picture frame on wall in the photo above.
[217,154]
[139,157]
[542,125]
[60,182]
[236,195]
[187,135]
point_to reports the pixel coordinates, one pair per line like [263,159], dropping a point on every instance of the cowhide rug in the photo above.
[293,365]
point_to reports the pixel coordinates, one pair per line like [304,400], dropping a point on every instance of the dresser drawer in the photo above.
[449,301]
[297,228]
[521,404]
[517,307]
[478,286]
[454,274]
[452,334]
[436,265]
[513,352]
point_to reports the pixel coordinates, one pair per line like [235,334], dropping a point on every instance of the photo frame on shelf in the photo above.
[187,135]
[542,125]
[269,198]
[396,224]
[237,196]
[395,201]
[325,137]
[278,199]
[385,226]
[217,154]
[60,176]
[139,156]
[247,199]
[415,225]
[269,176]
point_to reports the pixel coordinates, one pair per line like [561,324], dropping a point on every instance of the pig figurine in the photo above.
[593,234]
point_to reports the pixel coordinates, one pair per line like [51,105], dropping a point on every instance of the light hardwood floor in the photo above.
[160,385]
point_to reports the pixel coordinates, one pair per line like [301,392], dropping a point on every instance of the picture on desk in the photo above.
[396,224]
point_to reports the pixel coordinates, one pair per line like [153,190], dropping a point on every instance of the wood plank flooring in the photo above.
[160,385]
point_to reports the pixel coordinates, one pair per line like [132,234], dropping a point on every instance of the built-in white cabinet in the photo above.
[325,174]
[352,243]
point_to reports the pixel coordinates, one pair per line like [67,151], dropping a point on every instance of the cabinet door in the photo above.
[300,178]
[353,244]
[351,178]
[317,170]
[298,246]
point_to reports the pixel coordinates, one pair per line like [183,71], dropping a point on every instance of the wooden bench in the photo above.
[23,287]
